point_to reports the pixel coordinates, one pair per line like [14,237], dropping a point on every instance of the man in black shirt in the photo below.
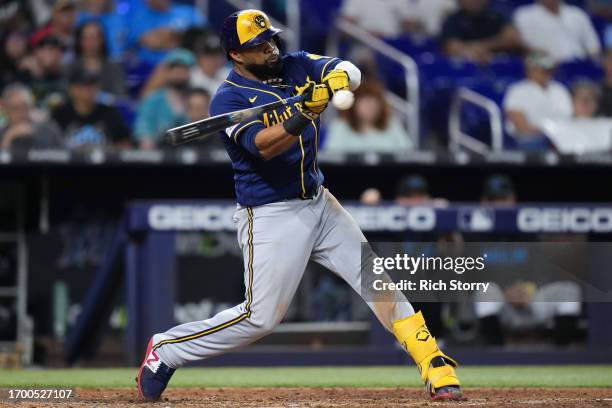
[86,122]
[45,74]
[475,32]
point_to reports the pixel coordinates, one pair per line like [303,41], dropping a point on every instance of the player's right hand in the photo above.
[317,97]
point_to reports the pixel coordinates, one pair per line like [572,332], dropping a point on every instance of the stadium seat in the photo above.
[127,108]
[136,76]
[570,72]
[414,46]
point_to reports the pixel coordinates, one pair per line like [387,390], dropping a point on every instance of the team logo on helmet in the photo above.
[260,21]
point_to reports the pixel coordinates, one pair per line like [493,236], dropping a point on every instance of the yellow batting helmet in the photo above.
[245,29]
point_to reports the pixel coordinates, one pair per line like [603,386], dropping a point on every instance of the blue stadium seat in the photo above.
[414,46]
[127,108]
[317,20]
[600,24]
[136,74]
[508,67]
[570,72]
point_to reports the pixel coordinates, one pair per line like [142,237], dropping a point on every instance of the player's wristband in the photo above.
[296,124]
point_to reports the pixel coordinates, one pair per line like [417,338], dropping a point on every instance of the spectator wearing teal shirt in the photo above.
[164,108]
[155,27]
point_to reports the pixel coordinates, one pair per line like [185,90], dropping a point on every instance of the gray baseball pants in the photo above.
[277,241]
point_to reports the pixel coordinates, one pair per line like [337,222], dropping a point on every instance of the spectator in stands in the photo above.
[425,17]
[530,102]
[17,14]
[562,31]
[113,23]
[391,19]
[413,189]
[198,101]
[21,129]
[370,196]
[476,32]
[516,303]
[605,97]
[13,55]
[165,107]
[91,53]
[84,121]
[368,126]
[585,95]
[210,69]
[600,8]
[61,25]
[46,73]
[156,27]
[498,191]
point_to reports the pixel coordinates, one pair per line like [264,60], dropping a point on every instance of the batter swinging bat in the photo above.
[206,127]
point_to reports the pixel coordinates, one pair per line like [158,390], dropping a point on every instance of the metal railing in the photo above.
[411,105]
[459,139]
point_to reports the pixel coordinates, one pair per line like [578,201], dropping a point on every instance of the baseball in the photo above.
[343,100]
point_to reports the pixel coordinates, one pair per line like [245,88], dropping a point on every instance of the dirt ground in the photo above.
[329,397]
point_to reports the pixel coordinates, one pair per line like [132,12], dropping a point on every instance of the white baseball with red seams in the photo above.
[343,100]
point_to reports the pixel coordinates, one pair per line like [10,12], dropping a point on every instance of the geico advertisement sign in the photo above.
[219,218]
[564,219]
[394,218]
[187,217]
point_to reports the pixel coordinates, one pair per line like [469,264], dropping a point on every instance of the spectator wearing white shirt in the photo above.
[382,18]
[537,98]
[563,31]
[210,69]
[425,17]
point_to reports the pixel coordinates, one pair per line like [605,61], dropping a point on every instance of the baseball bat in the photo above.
[205,127]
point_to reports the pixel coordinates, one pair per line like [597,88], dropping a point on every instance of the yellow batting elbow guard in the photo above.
[415,337]
[336,80]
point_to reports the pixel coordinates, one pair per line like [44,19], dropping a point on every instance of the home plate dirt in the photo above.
[330,397]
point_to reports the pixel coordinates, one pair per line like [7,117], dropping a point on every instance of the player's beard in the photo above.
[266,70]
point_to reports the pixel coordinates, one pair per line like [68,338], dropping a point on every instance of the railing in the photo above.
[411,105]
[459,139]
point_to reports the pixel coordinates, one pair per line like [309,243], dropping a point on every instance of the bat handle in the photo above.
[294,99]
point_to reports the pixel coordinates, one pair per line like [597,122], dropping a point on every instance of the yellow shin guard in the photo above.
[413,334]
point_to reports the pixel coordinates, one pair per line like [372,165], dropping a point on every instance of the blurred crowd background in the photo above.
[481,76]
[82,73]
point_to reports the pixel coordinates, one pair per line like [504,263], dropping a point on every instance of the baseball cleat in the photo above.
[153,376]
[444,392]
[448,393]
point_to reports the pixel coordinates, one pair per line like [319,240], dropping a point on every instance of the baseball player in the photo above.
[284,217]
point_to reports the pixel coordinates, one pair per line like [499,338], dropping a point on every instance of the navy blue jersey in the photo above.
[294,173]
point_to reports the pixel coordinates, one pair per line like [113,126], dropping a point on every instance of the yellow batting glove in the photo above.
[336,80]
[317,98]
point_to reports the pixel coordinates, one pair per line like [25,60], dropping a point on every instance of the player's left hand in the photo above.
[336,80]
[317,97]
